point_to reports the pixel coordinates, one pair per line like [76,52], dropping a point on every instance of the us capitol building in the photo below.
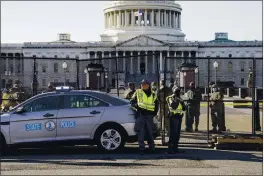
[158,31]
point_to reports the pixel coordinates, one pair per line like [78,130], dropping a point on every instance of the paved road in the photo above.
[90,161]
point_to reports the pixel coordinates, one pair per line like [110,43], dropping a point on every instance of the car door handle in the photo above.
[48,115]
[95,112]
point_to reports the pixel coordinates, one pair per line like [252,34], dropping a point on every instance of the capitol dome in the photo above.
[160,20]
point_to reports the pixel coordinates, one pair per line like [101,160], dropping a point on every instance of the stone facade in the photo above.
[124,37]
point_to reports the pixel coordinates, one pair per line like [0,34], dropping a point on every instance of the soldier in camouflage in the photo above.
[216,109]
[194,98]
[164,92]
[130,91]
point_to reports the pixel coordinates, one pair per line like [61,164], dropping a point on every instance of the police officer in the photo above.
[17,92]
[216,109]
[146,104]
[176,108]
[130,91]
[163,113]
[193,107]
[6,97]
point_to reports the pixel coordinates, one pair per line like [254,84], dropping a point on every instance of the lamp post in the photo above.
[106,81]
[86,74]
[197,72]
[215,67]
[64,66]
[98,78]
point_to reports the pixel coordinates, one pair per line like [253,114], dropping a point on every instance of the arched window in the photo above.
[230,66]
[230,55]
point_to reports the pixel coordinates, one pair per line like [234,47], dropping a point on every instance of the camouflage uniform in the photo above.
[163,113]
[130,91]
[154,87]
[193,107]
[216,106]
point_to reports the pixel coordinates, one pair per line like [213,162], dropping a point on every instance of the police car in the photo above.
[69,117]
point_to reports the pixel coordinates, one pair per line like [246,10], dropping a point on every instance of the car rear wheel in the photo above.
[110,139]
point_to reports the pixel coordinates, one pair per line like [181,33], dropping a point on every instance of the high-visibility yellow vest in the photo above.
[5,100]
[179,110]
[144,101]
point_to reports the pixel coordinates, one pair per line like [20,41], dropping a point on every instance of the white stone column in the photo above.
[119,16]
[115,19]
[117,62]
[14,65]
[7,64]
[132,18]
[161,63]
[168,61]
[123,19]
[126,19]
[179,21]
[170,18]
[152,18]
[124,62]
[153,62]
[182,55]
[158,18]
[103,61]
[175,62]
[138,71]
[165,19]
[146,17]
[146,63]
[131,63]
[161,20]
[21,64]
[109,20]
[173,19]
[110,63]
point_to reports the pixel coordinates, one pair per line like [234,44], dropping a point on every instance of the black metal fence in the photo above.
[104,74]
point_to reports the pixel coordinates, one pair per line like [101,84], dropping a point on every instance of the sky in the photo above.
[41,21]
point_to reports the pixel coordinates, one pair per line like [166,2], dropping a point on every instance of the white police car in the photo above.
[69,117]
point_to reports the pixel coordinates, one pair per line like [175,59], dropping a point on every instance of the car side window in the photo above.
[42,104]
[82,101]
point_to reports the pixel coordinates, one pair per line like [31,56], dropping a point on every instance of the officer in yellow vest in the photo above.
[176,108]
[5,100]
[146,104]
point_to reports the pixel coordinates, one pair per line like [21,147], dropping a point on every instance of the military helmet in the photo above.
[144,81]
[191,84]
[176,89]
[214,86]
[17,82]
[130,84]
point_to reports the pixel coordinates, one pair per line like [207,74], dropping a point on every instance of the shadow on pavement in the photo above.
[71,155]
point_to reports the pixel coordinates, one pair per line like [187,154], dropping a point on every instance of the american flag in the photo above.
[139,12]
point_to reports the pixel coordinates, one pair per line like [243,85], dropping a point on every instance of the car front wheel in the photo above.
[110,139]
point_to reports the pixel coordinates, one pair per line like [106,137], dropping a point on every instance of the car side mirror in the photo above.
[20,110]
